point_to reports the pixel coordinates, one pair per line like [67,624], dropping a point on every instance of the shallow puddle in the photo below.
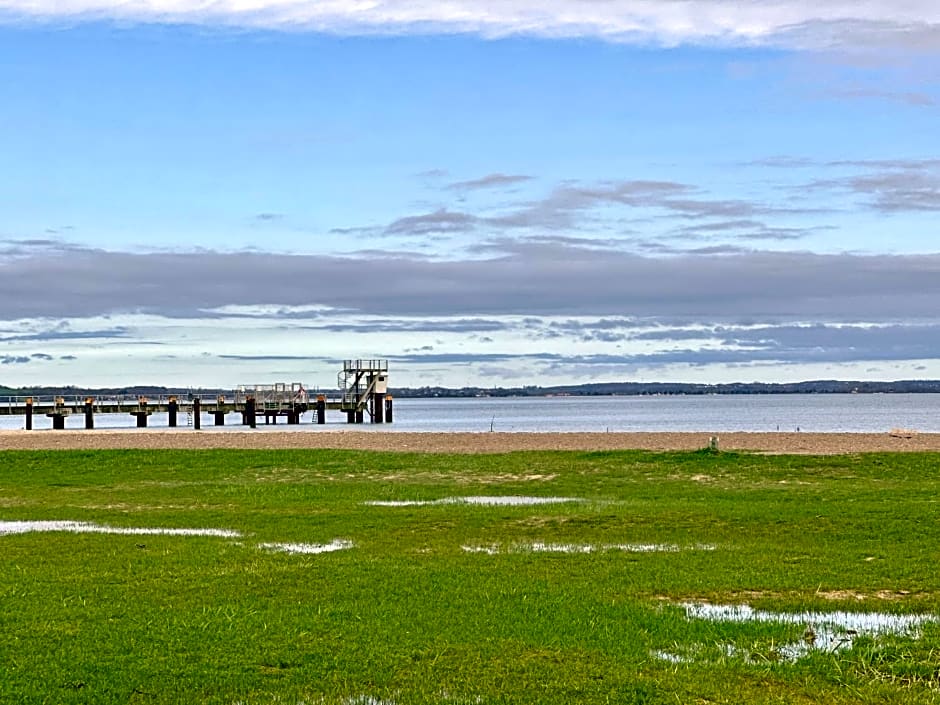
[444,698]
[658,547]
[79,527]
[823,631]
[671,658]
[495,501]
[308,548]
[541,547]
[860,622]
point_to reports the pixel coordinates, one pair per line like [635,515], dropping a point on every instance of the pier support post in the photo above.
[142,413]
[350,416]
[197,414]
[359,416]
[293,418]
[250,412]
[219,412]
[388,409]
[58,414]
[172,409]
[29,414]
[321,410]
[89,413]
[378,408]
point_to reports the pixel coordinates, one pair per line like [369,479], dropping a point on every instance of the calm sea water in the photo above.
[766,412]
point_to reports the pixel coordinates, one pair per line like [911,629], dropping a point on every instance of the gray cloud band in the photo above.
[525,278]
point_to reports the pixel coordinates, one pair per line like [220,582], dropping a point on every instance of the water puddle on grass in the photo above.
[826,632]
[308,548]
[496,501]
[671,658]
[658,547]
[444,698]
[540,547]
[8,528]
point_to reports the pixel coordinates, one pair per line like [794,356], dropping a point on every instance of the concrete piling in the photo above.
[142,412]
[58,414]
[293,415]
[250,412]
[219,412]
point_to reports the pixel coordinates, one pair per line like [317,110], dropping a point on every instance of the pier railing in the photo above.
[115,400]
[361,390]
[288,403]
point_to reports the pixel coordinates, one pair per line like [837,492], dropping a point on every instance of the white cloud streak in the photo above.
[793,23]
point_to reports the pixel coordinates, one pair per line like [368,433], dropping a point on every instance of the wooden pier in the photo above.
[362,393]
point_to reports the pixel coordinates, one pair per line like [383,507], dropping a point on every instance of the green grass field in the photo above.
[589,601]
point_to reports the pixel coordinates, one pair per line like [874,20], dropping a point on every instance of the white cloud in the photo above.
[735,22]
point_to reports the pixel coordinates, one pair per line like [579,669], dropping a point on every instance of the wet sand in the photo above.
[801,443]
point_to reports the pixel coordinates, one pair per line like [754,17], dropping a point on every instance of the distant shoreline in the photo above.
[594,389]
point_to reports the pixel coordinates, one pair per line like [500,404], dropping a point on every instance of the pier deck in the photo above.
[361,392]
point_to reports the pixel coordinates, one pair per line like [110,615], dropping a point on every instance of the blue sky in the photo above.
[484,193]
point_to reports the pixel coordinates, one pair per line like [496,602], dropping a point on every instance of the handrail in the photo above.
[122,400]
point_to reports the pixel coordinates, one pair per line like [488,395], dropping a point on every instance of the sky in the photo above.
[483,192]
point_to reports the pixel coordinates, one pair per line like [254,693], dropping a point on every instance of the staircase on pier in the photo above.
[363,384]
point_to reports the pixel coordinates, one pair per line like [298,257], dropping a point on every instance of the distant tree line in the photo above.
[72,391]
[825,386]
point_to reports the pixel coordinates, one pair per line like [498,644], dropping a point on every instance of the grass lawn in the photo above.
[824,571]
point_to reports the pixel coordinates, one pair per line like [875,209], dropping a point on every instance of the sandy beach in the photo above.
[802,443]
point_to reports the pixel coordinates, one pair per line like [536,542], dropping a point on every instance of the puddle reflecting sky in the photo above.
[80,527]
[496,501]
[541,547]
[824,631]
[308,548]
